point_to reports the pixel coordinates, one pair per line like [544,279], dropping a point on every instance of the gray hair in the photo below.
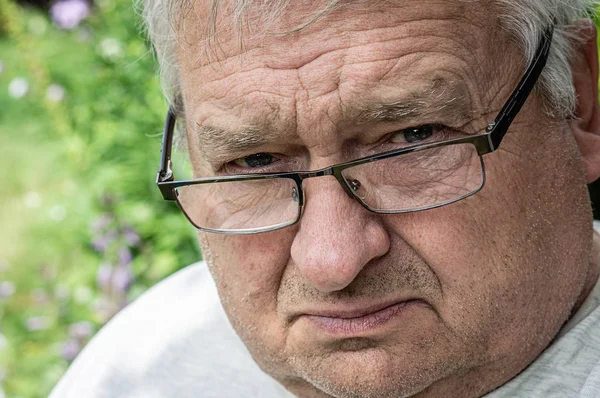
[525,20]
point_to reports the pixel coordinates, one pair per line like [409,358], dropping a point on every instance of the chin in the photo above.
[363,372]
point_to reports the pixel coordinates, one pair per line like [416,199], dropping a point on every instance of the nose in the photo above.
[337,237]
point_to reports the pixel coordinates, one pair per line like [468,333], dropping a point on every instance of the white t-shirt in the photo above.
[175,341]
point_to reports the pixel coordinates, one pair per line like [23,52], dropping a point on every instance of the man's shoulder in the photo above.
[174,340]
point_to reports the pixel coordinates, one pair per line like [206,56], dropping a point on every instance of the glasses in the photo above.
[415,178]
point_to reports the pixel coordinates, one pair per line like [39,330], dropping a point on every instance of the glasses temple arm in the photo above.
[498,128]
[165,173]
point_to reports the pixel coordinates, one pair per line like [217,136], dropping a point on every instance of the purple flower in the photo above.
[105,309]
[36,323]
[70,349]
[104,276]
[69,13]
[122,279]
[102,242]
[7,289]
[81,330]
[131,237]
[101,222]
[125,256]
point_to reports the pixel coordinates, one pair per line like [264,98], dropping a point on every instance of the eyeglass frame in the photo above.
[484,143]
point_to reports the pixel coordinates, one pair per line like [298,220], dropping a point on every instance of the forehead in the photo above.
[363,51]
[212,31]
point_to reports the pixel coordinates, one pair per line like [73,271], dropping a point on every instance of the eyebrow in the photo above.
[217,143]
[442,99]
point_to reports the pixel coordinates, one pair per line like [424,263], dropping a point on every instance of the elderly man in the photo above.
[391,200]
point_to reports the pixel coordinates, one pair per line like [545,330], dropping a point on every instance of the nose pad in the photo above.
[355,186]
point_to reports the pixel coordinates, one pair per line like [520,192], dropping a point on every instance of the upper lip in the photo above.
[347,311]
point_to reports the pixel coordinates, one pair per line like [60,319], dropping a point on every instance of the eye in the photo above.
[255,161]
[416,134]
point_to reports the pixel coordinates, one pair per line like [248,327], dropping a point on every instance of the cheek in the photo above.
[510,259]
[462,247]
[248,265]
[247,271]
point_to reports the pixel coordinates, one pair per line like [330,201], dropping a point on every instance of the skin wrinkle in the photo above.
[465,260]
[368,284]
[212,141]
[466,47]
[423,54]
[345,32]
[220,80]
[447,71]
[421,19]
[257,91]
[480,22]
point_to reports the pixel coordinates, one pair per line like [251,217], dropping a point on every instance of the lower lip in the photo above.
[362,323]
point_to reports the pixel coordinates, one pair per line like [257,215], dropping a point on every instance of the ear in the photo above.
[586,124]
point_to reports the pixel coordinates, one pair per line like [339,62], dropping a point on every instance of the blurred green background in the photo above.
[83,228]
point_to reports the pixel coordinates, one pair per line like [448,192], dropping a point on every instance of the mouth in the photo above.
[359,321]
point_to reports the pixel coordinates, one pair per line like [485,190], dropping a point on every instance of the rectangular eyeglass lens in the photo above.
[420,179]
[247,206]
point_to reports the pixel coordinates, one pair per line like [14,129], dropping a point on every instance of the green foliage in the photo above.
[84,228]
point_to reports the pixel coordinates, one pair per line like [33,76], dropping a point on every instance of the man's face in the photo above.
[350,303]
